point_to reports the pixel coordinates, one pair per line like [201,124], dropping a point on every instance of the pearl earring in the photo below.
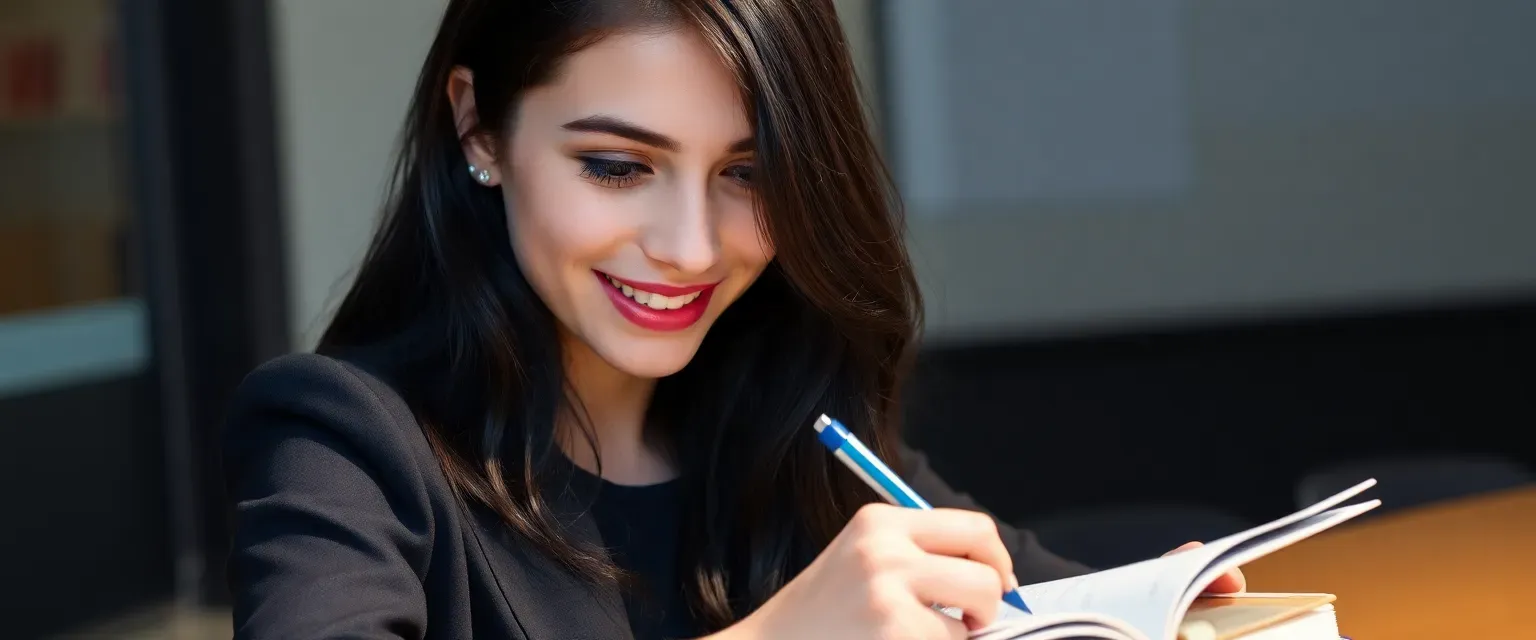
[480,174]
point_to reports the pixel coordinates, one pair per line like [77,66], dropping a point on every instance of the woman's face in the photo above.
[628,184]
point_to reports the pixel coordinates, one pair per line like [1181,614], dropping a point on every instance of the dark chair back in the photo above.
[1413,480]
[1107,537]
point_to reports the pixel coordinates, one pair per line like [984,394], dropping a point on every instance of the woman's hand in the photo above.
[880,575]
[1229,582]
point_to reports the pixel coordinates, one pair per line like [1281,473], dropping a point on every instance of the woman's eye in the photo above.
[741,173]
[612,173]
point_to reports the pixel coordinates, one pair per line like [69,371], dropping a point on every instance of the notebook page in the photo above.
[1143,594]
[1149,595]
[1055,627]
[1258,547]
[1292,528]
[1319,507]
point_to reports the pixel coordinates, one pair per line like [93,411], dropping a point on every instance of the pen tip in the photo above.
[823,422]
[1012,597]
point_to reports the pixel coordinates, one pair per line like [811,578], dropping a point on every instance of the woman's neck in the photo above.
[613,405]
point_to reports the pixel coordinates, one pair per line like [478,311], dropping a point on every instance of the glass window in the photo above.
[65,309]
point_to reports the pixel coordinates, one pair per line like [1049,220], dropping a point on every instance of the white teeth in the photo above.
[654,300]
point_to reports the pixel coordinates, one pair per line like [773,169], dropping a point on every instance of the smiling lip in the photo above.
[657,319]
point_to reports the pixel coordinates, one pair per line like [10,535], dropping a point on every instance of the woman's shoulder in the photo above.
[337,402]
[323,385]
[338,506]
[305,375]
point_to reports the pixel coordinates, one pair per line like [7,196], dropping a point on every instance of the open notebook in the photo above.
[1150,600]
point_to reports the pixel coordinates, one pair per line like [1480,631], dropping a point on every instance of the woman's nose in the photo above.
[683,234]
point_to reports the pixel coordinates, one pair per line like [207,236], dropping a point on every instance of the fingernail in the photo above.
[1013,582]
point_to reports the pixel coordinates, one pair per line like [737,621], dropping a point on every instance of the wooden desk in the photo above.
[1462,569]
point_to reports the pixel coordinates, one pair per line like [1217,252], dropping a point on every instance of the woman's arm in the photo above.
[1032,563]
[332,526]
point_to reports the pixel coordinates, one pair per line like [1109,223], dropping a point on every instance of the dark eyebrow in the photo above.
[743,145]
[625,129]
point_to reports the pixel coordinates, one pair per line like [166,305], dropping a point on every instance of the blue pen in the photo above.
[847,448]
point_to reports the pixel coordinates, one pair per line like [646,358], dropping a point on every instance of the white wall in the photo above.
[345,71]
[1076,165]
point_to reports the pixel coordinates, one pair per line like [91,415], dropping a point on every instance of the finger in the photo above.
[962,534]
[1230,582]
[1239,580]
[973,587]
[943,627]
[953,629]
[922,621]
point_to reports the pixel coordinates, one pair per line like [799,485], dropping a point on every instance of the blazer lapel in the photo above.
[548,601]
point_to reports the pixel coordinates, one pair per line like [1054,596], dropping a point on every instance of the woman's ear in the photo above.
[477,147]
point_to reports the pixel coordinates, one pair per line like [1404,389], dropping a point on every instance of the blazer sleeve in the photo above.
[1032,563]
[331,519]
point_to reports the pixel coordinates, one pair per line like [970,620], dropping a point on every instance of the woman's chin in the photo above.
[654,358]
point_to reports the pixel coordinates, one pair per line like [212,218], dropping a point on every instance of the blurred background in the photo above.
[1184,259]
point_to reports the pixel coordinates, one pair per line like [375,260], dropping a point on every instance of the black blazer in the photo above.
[346,528]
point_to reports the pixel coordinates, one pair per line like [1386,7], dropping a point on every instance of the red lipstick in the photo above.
[657,319]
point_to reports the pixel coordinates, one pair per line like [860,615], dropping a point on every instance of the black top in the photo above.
[345,526]
[641,527]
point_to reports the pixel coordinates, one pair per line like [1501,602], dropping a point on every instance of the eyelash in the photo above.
[601,170]
[741,173]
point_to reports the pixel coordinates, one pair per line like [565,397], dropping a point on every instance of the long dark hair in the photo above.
[828,327]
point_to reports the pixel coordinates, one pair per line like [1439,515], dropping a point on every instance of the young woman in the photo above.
[634,248]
